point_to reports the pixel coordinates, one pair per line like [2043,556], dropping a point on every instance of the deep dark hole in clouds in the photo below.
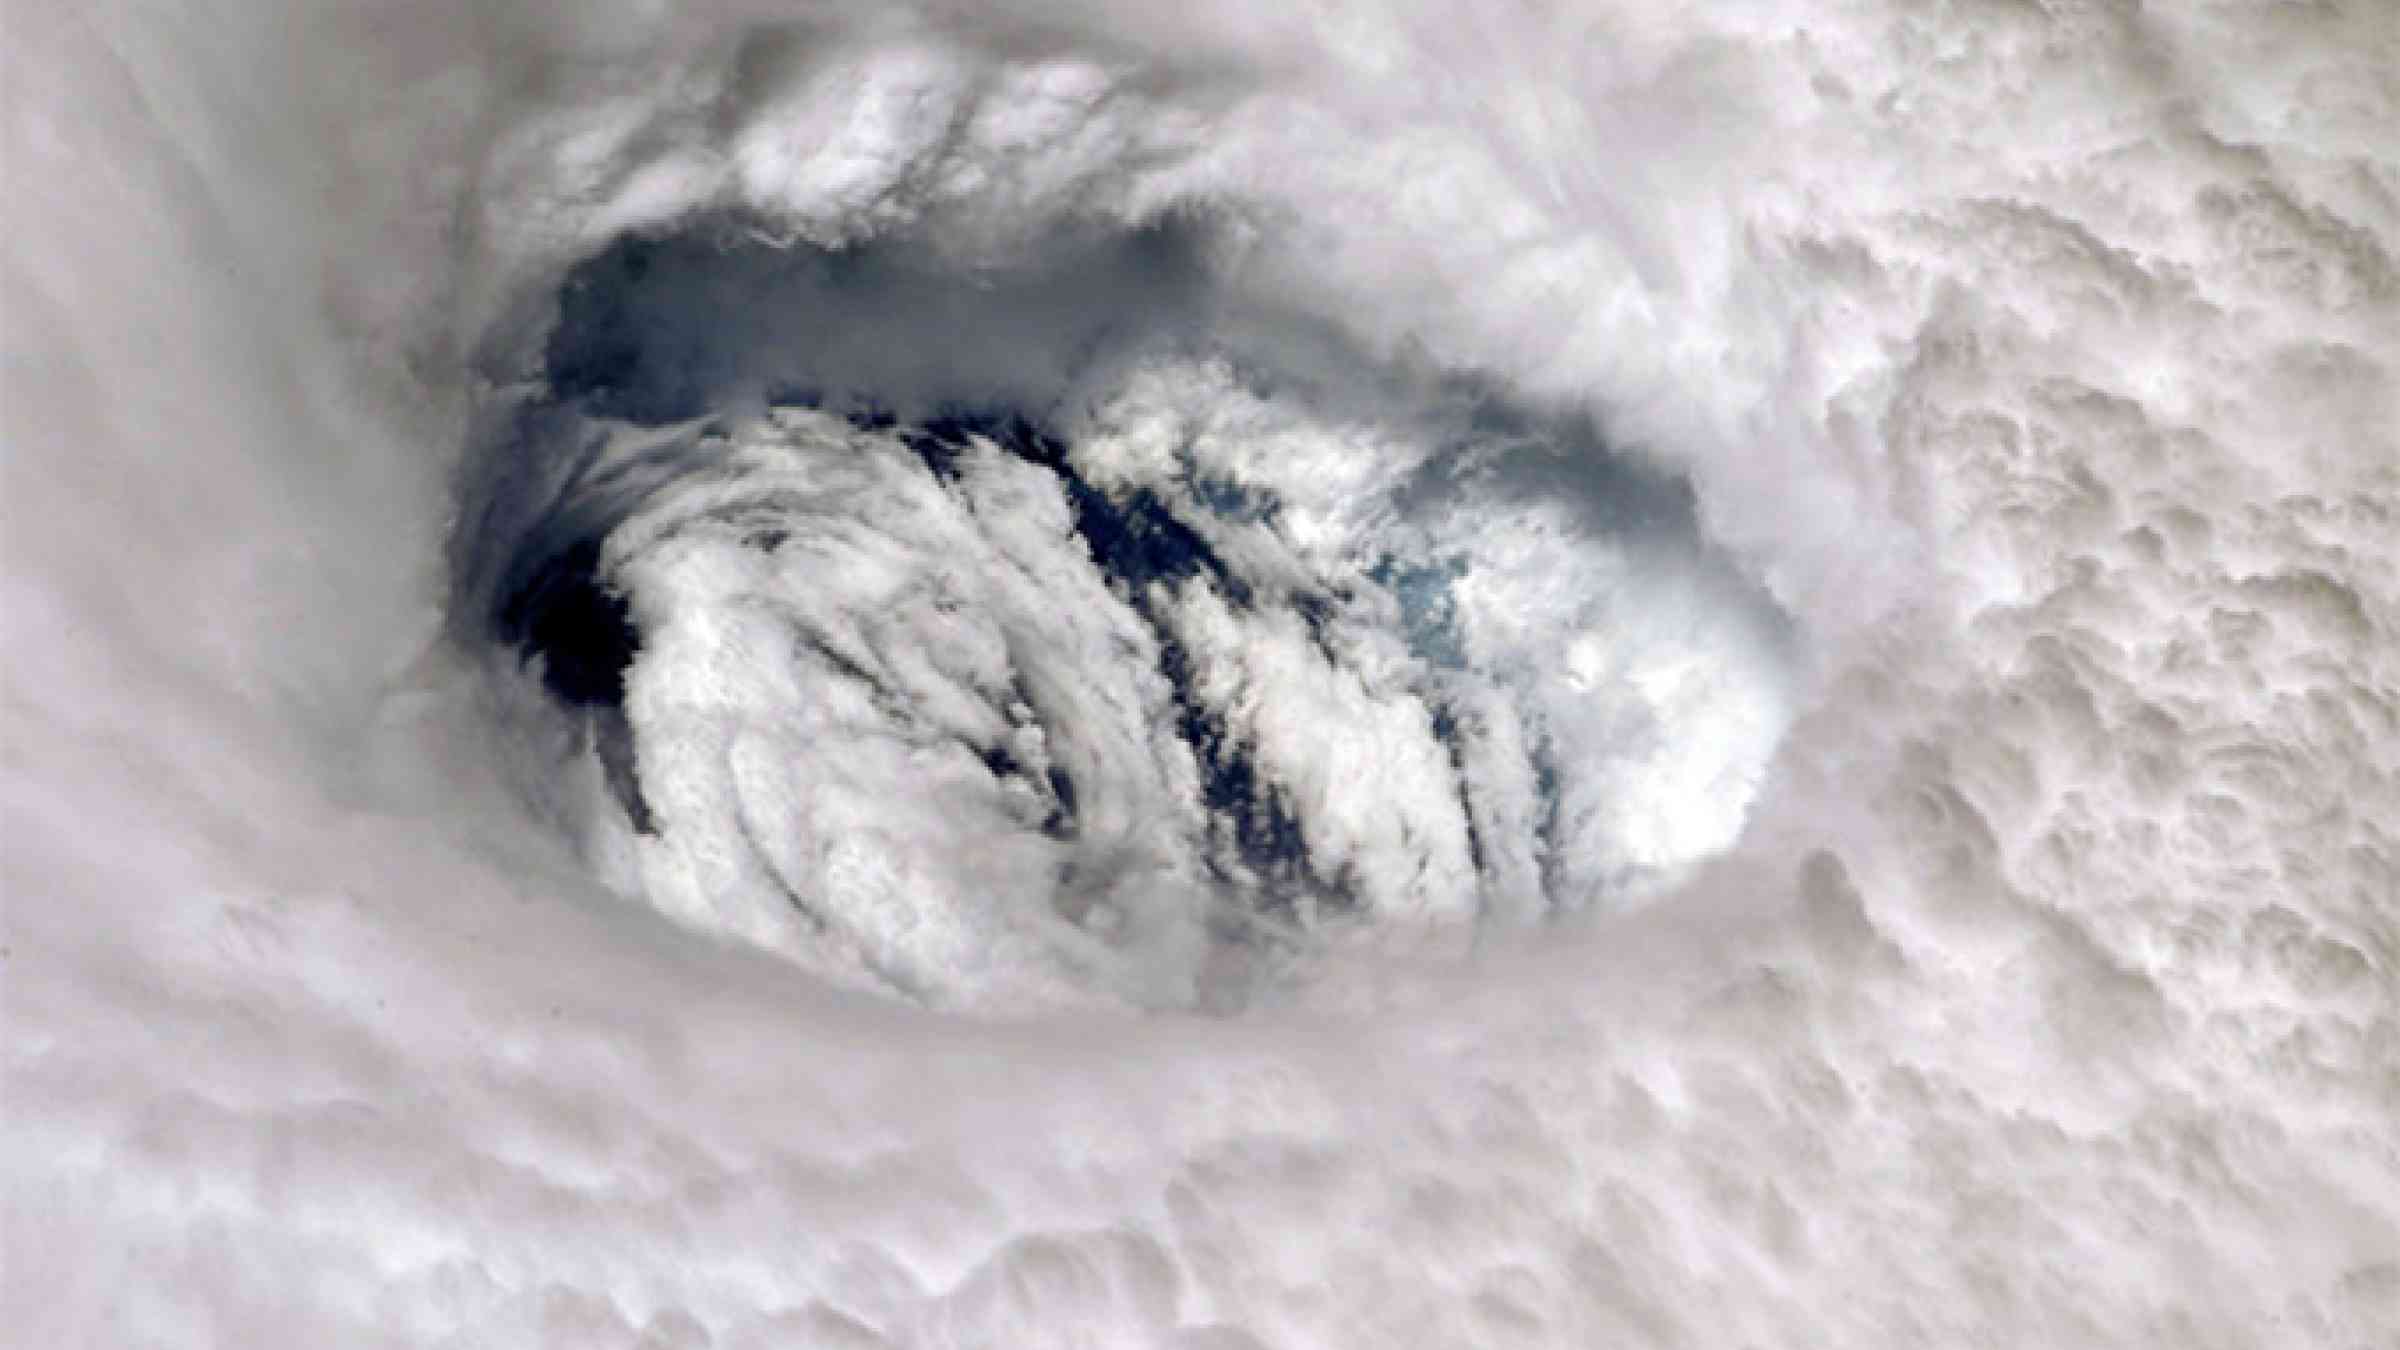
[576,623]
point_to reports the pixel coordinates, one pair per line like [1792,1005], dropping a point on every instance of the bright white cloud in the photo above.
[2038,362]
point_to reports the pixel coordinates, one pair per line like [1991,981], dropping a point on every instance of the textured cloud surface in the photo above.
[1751,652]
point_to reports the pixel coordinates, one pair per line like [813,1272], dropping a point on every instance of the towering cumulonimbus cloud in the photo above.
[1203,675]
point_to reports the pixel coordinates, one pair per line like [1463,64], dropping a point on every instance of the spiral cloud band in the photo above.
[1207,675]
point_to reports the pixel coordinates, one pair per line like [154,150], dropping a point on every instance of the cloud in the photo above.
[2038,1000]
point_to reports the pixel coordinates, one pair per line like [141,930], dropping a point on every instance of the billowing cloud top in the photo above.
[1758,641]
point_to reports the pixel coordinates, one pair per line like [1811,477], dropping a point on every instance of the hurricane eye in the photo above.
[1087,628]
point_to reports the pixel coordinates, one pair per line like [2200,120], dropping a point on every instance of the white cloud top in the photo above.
[2037,363]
